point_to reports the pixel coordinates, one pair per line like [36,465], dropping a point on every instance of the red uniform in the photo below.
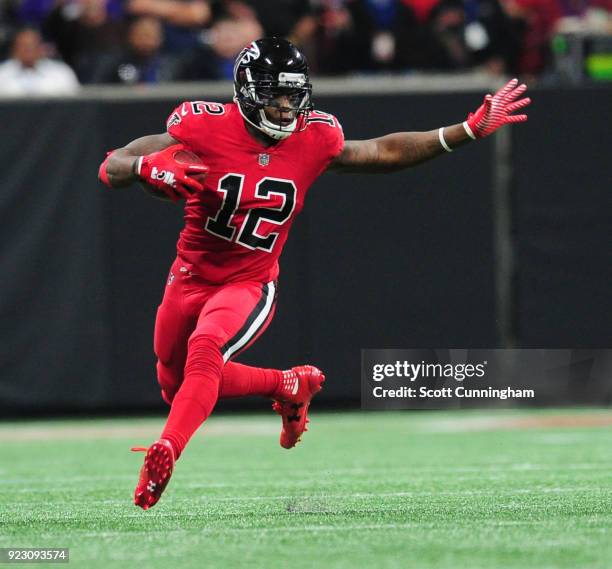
[222,284]
[236,229]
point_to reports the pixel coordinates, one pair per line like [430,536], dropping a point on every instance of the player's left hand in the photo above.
[496,110]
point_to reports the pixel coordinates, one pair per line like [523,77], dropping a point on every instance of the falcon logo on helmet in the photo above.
[249,53]
[272,72]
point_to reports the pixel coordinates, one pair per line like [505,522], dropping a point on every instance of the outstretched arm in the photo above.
[405,149]
[396,151]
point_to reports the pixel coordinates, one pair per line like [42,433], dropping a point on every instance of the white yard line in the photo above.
[306,528]
[316,498]
[364,474]
[17,433]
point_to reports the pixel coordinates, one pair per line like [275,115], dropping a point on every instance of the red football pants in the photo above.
[232,316]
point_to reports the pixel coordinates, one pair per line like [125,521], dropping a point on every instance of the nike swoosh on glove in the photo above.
[163,172]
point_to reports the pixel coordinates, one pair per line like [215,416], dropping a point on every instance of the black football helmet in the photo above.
[265,70]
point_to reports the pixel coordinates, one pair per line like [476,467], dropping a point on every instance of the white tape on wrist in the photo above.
[442,141]
[468,130]
[139,165]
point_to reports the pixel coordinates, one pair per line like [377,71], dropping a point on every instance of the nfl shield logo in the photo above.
[264,159]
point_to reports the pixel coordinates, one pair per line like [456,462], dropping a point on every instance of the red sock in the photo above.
[197,395]
[239,381]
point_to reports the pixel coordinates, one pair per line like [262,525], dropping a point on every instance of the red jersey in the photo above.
[236,228]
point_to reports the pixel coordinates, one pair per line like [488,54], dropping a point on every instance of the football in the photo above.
[182,156]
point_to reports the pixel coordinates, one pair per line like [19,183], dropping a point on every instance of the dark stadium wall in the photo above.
[404,260]
[563,179]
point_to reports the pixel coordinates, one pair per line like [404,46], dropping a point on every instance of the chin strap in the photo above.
[268,127]
[267,130]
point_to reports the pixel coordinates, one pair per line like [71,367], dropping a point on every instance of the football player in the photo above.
[259,155]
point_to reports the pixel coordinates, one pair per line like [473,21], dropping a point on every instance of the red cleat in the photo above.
[302,383]
[154,474]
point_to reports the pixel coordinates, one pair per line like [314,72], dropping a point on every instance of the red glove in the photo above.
[496,110]
[163,172]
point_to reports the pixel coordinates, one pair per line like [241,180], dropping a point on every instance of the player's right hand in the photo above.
[163,172]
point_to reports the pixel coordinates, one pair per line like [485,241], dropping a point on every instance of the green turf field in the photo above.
[422,489]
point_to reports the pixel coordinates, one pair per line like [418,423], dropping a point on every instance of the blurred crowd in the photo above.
[53,46]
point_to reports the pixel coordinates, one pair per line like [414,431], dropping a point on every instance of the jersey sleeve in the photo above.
[330,139]
[180,124]
[337,139]
[188,122]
